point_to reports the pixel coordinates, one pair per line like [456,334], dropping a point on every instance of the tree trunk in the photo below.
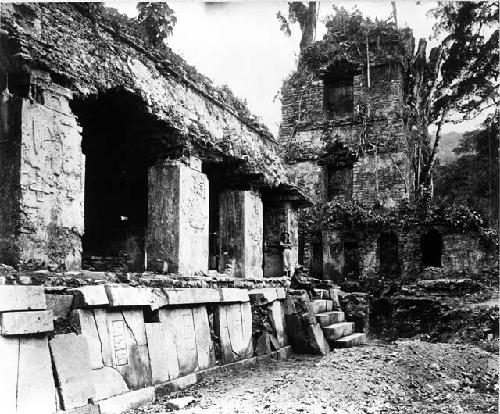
[308,26]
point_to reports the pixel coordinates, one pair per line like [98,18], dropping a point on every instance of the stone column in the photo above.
[177,234]
[45,196]
[279,218]
[241,233]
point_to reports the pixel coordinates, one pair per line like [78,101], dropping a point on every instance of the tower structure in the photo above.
[343,133]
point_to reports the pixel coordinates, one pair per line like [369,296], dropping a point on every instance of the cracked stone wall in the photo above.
[129,342]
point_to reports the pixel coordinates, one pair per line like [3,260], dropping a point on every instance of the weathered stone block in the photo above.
[162,352]
[85,322]
[89,296]
[25,323]
[107,383]
[317,340]
[133,296]
[193,296]
[327,318]
[338,330]
[128,346]
[9,350]
[71,360]
[117,339]
[233,325]
[278,322]
[234,295]
[60,305]
[191,336]
[350,341]
[18,298]
[36,392]
[128,401]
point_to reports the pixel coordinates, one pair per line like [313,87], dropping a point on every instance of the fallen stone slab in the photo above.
[26,322]
[338,330]
[350,341]
[89,296]
[86,409]
[179,403]
[328,318]
[317,340]
[128,401]
[70,356]
[18,298]
[107,383]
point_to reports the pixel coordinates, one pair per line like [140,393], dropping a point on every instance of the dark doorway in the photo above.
[351,257]
[118,146]
[431,244]
[317,257]
[388,255]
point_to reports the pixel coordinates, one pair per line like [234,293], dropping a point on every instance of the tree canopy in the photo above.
[158,21]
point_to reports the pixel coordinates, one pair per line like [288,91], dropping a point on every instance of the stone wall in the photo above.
[107,348]
[463,255]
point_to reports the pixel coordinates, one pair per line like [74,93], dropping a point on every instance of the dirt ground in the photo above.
[402,377]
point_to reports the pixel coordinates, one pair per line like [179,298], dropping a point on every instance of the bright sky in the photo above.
[240,44]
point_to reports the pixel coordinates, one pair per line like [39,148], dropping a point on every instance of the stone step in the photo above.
[349,341]
[322,305]
[338,330]
[328,318]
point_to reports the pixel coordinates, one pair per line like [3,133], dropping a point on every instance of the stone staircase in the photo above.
[338,332]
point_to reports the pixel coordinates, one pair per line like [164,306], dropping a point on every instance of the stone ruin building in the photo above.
[141,210]
[343,137]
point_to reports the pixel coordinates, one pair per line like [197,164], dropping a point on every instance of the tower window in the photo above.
[338,97]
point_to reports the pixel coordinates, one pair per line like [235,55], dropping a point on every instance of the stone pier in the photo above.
[241,233]
[177,235]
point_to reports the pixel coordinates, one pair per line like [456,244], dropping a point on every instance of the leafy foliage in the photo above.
[454,216]
[469,74]
[158,20]
[346,39]
[472,179]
